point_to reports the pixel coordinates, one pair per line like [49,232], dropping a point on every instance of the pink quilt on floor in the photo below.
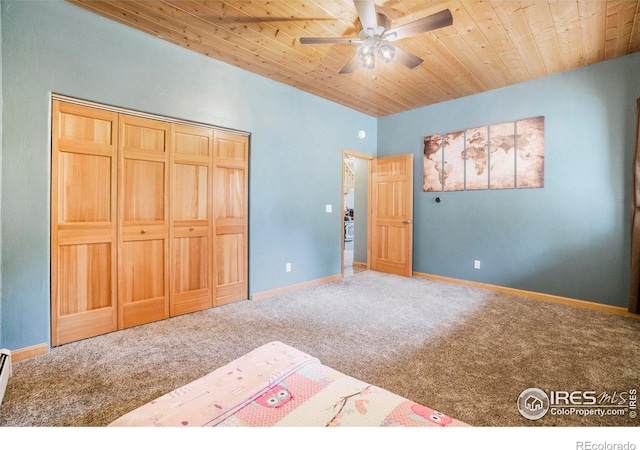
[278,385]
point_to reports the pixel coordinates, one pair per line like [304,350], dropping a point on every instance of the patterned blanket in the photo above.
[278,385]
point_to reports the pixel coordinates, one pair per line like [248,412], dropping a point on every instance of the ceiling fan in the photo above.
[376,37]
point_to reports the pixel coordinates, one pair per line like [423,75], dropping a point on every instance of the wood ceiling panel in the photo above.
[592,26]
[566,17]
[634,39]
[518,32]
[491,44]
[221,44]
[541,26]
[488,22]
[621,17]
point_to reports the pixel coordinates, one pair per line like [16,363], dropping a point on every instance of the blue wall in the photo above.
[296,146]
[570,238]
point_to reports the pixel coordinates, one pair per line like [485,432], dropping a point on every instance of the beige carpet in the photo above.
[466,352]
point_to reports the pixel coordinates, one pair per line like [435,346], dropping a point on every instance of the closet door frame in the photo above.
[111,315]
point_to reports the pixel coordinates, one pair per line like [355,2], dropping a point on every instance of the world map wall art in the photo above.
[502,156]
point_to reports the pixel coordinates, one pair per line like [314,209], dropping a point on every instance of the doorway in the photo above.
[355,209]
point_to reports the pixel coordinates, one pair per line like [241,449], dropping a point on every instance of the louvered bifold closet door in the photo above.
[231,157]
[191,219]
[83,222]
[143,283]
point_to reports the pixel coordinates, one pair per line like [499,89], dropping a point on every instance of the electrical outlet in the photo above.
[328,208]
[288,267]
[476,264]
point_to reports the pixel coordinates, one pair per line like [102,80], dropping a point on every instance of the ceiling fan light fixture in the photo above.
[387,52]
[369,62]
[365,51]
[375,36]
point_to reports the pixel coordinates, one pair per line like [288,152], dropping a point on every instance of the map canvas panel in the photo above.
[477,157]
[502,157]
[530,145]
[505,155]
[454,162]
[432,163]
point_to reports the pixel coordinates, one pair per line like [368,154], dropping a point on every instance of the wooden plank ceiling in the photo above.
[491,43]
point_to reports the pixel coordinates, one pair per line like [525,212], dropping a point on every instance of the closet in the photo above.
[149,219]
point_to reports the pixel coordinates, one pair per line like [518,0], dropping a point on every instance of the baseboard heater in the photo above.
[5,371]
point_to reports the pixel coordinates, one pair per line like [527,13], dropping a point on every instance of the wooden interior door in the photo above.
[392,215]
[143,284]
[191,219]
[83,222]
[231,156]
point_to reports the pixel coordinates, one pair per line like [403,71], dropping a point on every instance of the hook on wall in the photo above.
[437,199]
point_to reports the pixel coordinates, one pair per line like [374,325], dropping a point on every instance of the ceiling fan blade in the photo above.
[329,40]
[351,65]
[429,23]
[408,59]
[367,14]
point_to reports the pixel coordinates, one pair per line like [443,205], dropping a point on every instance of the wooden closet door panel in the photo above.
[231,154]
[87,286]
[85,195]
[191,274]
[191,194]
[143,281]
[142,289]
[144,184]
[191,219]
[231,267]
[83,225]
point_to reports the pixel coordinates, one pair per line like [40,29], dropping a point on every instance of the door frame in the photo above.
[368,158]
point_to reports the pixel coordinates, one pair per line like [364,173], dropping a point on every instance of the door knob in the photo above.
[406,221]
[144,230]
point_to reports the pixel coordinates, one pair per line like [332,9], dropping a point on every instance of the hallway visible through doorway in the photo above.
[355,212]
